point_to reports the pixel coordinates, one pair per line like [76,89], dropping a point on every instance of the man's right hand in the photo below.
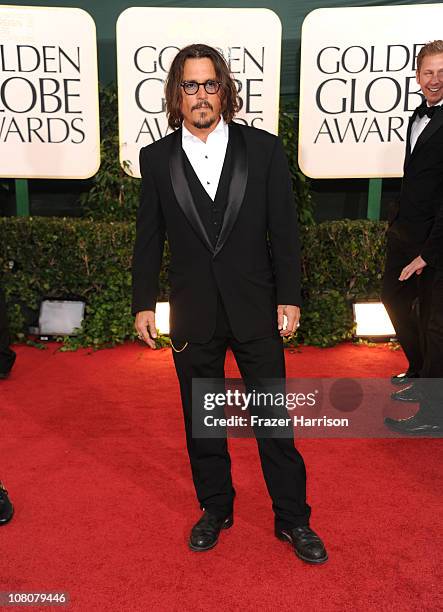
[145,327]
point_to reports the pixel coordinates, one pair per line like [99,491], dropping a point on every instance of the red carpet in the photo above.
[92,451]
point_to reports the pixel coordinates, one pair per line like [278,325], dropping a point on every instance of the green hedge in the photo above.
[342,261]
[70,258]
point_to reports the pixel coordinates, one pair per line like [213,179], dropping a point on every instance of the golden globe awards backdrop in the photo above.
[149,38]
[49,124]
[358,88]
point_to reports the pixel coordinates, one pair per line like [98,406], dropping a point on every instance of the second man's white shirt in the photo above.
[207,158]
[419,125]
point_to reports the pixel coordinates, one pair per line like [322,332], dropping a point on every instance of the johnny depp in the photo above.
[221,191]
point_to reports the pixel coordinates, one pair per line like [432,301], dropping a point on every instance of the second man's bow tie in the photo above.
[424,109]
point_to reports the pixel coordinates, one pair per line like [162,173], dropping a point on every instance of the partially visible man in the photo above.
[222,193]
[7,356]
[414,265]
[6,507]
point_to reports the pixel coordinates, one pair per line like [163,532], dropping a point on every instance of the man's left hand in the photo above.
[292,315]
[416,266]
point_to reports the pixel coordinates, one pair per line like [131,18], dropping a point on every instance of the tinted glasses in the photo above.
[191,87]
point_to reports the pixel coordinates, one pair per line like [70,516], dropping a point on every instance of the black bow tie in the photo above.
[424,109]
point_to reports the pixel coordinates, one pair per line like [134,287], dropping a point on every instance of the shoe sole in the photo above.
[422,434]
[5,522]
[283,537]
[414,400]
[406,380]
[226,525]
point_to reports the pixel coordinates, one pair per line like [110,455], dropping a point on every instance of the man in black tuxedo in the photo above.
[221,192]
[414,265]
[7,355]
[7,358]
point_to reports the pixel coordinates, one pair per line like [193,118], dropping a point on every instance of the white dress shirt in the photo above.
[419,125]
[207,158]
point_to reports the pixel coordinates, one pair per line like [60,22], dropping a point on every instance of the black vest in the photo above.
[211,212]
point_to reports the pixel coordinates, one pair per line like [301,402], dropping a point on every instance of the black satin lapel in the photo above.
[182,191]
[237,185]
[435,124]
[408,139]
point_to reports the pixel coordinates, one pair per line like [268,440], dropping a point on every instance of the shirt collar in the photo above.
[220,131]
[438,103]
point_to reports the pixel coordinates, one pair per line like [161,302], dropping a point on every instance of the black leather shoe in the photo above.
[415,425]
[404,378]
[408,394]
[204,534]
[6,508]
[307,545]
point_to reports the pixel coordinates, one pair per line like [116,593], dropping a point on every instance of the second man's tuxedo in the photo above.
[253,214]
[416,304]
[419,218]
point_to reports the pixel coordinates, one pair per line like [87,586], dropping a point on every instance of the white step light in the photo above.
[372,320]
[60,317]
[162,317]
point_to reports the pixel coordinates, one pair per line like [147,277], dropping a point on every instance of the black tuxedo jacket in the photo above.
[419,217]
[254,264]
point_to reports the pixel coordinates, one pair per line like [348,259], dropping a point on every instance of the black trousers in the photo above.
[282,465]
[430,292]
[415,307]
[7,356]
[401,302]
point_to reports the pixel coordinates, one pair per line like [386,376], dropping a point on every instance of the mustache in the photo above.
[202,104]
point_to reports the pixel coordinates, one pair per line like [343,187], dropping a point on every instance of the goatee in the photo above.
[204,123]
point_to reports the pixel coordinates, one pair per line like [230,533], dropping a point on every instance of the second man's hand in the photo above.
[416,266]
[292,315]
[145,327]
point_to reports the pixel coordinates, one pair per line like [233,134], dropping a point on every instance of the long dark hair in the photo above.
[230,103]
